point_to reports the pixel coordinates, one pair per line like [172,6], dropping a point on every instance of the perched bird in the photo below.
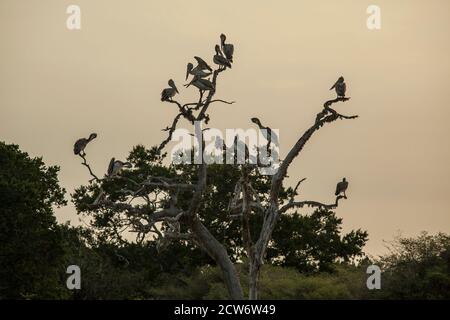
[201,84]
[220,59]
[196,72]
[341,187]
[168,93]
[227,48]
[202,65]
[340,87]
[116,166]
[269,135]
[80,144]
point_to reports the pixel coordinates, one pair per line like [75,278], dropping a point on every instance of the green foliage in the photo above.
[314,242]
[309,257]
[308,243]
[347,282]
[107,221]
[107,274]
[108,271]
[31,253]
[417,268]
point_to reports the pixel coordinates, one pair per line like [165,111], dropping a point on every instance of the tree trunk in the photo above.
[259,250]
[253,276]
[217,252]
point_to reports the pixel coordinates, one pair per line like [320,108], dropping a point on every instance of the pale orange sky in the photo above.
[58,85]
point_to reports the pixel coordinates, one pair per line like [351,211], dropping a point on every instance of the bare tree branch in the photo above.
[326,116]
[223,101]
[171,130]
[272,212]
[84,163]
[308,203]
[165,208]
[202,113]
[297,185]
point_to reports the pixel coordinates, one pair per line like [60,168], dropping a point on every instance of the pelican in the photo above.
[80,144]
[341,187]
[202,65]
[227,48]
[340,87]
[220,59]
[168,93]
[201,84]
[116,166]
[269,135]
[196,71]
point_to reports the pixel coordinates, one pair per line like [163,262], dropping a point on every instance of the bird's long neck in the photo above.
[259,124]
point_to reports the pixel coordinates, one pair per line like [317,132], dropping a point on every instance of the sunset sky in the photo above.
[57,85]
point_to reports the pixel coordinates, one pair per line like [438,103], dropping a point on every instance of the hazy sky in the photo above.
[58,85]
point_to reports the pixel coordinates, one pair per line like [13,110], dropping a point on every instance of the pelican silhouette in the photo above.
[227,48]
[202,65]
[201,84]
[168,93]
[341,187]
[269,135]
[116,166]
[340,87]
[196,71]
[220,59]
[80,144]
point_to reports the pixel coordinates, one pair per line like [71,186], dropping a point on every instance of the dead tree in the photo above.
[272,209]
[144,218]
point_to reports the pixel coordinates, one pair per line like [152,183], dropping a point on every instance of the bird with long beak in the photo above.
[227,48]
[340,87]
[196,72]
[201,84]
[269,135]
[201,64]
[168,93]
[80,144]
[116,166]
[341,187]
[220,59]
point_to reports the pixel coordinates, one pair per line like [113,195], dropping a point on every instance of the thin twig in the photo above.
[84,163]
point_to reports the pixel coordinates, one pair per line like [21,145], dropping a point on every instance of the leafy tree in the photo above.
[108,272]
[175,196]
[111,271]
[280,283]
[417,268]
[314,242]
[31,252]
[319,233]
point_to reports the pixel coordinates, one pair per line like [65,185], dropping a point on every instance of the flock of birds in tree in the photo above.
[223,58]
